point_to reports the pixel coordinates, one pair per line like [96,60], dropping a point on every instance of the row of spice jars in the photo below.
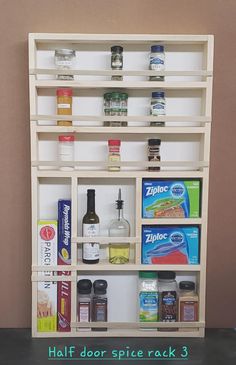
[161,299]
[64,60]
[66,152]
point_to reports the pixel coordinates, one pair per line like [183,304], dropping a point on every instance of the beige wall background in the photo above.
[20,17]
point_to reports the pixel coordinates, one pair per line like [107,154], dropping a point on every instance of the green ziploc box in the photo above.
[171,198]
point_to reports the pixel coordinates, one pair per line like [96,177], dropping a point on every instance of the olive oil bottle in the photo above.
[120,227]
[90,250]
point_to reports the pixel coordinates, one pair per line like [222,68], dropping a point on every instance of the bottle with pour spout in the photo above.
[120,227]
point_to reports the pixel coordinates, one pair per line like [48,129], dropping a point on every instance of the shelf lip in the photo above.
[120,130]
[104,266]
[110,72]
[107,38]
[138,164]
[170,221]
[106,240]
[119,174]
[137,118]
[121,84]
[137,325]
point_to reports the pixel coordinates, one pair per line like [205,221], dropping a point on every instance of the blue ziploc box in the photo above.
[171,198]
[170,245]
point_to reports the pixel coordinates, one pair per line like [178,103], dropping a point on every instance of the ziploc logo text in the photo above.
[154,190]
[151,238]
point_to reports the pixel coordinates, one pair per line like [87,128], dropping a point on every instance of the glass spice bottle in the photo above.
[158,107]
[84,288]
[99,303]
[154,153]
[66,151]
[168,294]
[188,302]
[114,154]
[117,61]
[64,59]
[157,61]
[64,105]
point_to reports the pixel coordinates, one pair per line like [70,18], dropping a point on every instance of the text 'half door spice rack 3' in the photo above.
[120,128]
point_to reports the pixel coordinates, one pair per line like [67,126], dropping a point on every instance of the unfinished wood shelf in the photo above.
[88,126]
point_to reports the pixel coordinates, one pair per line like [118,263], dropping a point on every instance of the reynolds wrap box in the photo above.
[171,198]
[64,258]
[170,245]
[47,290]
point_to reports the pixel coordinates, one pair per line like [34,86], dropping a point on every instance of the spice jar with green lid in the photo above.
[115,103]
[124,107]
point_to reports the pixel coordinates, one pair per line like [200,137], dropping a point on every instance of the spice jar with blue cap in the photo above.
[157,61]
[158,107]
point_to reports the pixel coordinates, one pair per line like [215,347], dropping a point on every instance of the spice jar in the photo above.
[64,105]
[114,154]
[154,153]
[66,151]
[168,295]
[117,61]
[99,303]
[84,287]
[148,297]
[188,302]
[157,61]
[124,107]
[64,61]
[115,104]
[158,107]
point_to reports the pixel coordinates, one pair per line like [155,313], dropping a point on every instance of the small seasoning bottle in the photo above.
[188,302]
[115,104]
[66,151]
[99,303]
[114,154]
[148,296]
[157,61]
[64,61]
[154,153]
[117,61]
[64,105]
[124,107]
[107,107]
[158,107]
[84,288]
[168,292]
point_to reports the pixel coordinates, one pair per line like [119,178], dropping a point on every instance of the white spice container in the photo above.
[66,151]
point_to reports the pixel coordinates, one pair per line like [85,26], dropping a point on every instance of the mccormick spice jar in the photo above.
[168,296]
[64,61]
[66,151]
[158,107]
[117,61]
[157,61]
[64,105]
[188,302]
[84,288]
[154,153]
[99,303]
[114,154]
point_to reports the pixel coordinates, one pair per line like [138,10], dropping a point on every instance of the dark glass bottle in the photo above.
[90,250]
[99,303]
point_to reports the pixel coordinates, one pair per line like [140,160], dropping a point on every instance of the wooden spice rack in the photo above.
[185,128]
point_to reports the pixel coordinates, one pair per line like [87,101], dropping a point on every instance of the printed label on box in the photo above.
[47,290]
[170,245]
[64,258]
[171,198]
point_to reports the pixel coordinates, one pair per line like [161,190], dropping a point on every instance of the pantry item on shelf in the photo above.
[66,151]
[47,291]
[188,302]
[154,153]
[157,61]
[84,288]
[148,297]
[117,61]
[107,103]
[120,227]
[167,245]
[90,250]
[171,198]
[114,154]
[99,303]
[168,296]
[64,105]
[115,104]
[64,258]
[158,107]
[64,61]
[124,107]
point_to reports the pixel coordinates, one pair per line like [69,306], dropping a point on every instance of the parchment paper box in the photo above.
[47,290]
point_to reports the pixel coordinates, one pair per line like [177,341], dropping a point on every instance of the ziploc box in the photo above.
[170,245]
[171,198]
[47,290]
[64,258]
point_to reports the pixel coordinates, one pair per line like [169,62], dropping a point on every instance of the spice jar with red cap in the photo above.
[64,104]
[114,154]
[66,151]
